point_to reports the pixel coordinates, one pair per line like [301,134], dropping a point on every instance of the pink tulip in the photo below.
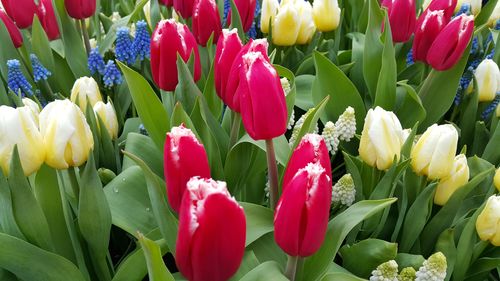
[212,229]
[15,34]
[448,6]
[48,19]
[301,217]
[402,18]
[246,9]
[168,3]
[184,7]
[20,11]
[169,39]
[206,21]
[184,158]
[429,25]
[80,9]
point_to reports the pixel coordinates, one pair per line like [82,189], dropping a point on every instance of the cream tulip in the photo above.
[66,134]
[307,27]
[106,112]
[434,152]
[286,25]
[34,108]
[495,16]
[17,127]
[488,80]
[457,178]
[475,6]
[488,221]
[326,14]
[268,13]
[83,89]
[381,139]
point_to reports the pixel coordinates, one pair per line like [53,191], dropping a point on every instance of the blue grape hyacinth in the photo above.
[142,40]
[112,75]
[16,80]
[95,62]
[123,47]
[493,105]
[39,71]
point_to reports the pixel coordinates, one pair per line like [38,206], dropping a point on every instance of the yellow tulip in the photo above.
[307,27]
[106,112]
[487,223]
[83,89]
[268,12]
[286,25]
[496,179]
[381,139]
[475,6]
[326,14]
[488,80]
[66,134]
[434,152]
[17,127]
[458,177]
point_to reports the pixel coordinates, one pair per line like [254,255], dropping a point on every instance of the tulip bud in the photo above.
[184,7]
[451,43]
[106,112]
[20,11]
[262,100]
[402,18]
[184,158]
[434,152]
[448,7]
[212,232]
[83,89]
[80,9]
[228,48]
[301,217]
[17,127]
[268,12]
[206,21]
[475,6]
[286,26]
[48,19]
[326,14]
[488,80]
[381,139]
[15,34]
[246,9]
[459,176]
[496,179]
[307,27]
[169,39]
[311,149]
[428,27]
[66,134]
[487,226]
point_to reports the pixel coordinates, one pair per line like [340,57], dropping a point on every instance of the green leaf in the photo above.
[248,263]
[8,223]
[385,96]
[259,221]
[467,123]
[409,260]
[156,268]
[491,152]
[236,20]
[210,94]
[411,109]
[290,97]
[310,122]
[41,45]
[485,13]
[363,257]
[338,228]
[266,271]
[148,105]
[341,276]
[446,245]
[143,145]
[15,254]
[304,84]
[373,48]
[186,91]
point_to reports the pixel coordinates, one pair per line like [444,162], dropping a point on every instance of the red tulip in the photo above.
[402,18]
[450,44]
[206,20]
[20,11]
[262,100]
[170,38]
[448,6]
[212,229]
[48,19]
[184,158]
[184,7]
[230,94]
[246,9]
[15,34]
[80,9]
[429,25]
[168,3]
[311,149]
[301,217]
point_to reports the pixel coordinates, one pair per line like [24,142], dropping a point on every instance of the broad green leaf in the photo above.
[311,121]
[364,256]
[259,221]
[385,96]
[236,20]
[186,91]
[491,152]
[281,147]
[266,271]
[304,84]
[485,13]
[210,94]
[156,268]
[8,52]
[248,263]
[290,97]
[373,48]
[41,45]
[411,110]
[266,249]
[8,223]
[341,276]
[446,245]
[143,145]
[467,120]
[409,260]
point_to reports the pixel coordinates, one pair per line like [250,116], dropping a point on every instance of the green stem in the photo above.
[74,182]
[273,174]
[85,36]
[235,128]
[291,267]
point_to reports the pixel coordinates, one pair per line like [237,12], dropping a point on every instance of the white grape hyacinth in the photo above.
[331,137]
[346,125]
[344,191]
[434,268]
[298,126]
[388,271]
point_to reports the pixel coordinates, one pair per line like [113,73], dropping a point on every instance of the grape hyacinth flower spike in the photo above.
[123,46]
[95,62]
[39,71]
[112,75]
[142,41]
[16,80]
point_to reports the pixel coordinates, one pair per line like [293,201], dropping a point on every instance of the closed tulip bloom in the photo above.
[301,217]
[85,88]
[286,26]
[184,7]
[17,127]
[66,134]
[48,19]
[33,107]
[80,9]
[268,12]
[428,27]
[212,232]
[381,139]
[496,179]
[15,34]
[228,47]
[451,43]
[246,9]
[434,151]
[311,149]
[458,177]
[402,18]
[262,100]
[206,21]
[20,11]
[307,27]
[106,112]
[488,80]
[487,225]
[447,6]
[475,6]
[169,39]
[184,158]
[326,14]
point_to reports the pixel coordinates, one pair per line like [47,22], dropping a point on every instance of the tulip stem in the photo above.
[235,128]
[273,174]
[291,267]
[85,36]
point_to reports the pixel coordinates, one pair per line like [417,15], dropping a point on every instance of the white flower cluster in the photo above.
[434,268]
[298,126]
[407,274]
[331,137]
[346,125]
[291,121]
[344,191]
[388,271]
[285,84]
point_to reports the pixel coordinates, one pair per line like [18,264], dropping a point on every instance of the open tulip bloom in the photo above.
[216,140]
